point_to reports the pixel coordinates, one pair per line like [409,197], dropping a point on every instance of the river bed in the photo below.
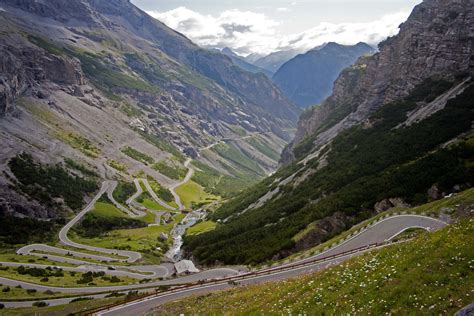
[175,253]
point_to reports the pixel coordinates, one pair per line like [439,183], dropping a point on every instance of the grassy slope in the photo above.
[191,192]
[107,210]
[201,228]
[430,275]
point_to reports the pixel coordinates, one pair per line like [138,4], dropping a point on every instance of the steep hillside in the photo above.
[380,282]
[415,148]
[104,85]
[436,40]
[308,78]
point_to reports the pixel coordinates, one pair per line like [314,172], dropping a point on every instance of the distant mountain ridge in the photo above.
[273,61]
[242,63]
[308,78]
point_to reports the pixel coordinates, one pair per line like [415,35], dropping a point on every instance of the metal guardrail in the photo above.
[241,277]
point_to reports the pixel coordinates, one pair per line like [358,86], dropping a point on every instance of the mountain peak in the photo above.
[308,78]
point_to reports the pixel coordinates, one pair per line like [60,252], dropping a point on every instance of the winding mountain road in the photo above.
[379,232]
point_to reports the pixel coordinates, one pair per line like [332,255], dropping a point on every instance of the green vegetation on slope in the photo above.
[106,75]
[117,165]
[170,169]
[233,154]
[431,275]
[264,148]
[365,165]
[201,227]
[217,183]
[123,191]
[162,192]
[45,183]
[79,167]
[80,143]
[19,231]
[103,218]
[137,155]
[162,144]
[193,194]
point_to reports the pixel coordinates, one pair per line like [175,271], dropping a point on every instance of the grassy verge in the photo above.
[13,257]
[68,279]
[60,310]
[430,275]
[18,293]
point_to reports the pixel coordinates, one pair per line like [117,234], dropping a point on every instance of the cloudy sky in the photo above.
[264,26]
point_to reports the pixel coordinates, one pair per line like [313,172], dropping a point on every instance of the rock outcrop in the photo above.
[24,67]
[436,40]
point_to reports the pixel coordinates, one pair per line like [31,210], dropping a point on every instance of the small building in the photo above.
[185,267]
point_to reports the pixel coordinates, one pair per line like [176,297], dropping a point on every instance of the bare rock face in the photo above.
[323,228]
[12,80]
[57,9]
[436,40]
[25,67]
[14,204]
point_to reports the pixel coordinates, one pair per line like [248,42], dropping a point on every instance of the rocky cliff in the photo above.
[436,40]
[24,68]
[308,78]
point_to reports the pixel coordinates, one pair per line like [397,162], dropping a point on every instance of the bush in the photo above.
[6,289]
[44,280]
[138,155]
[114,279]
[31,291]
[2,306]
[79,299]
[40,304]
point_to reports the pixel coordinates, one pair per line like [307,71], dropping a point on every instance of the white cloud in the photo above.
[243,31]
[282,9]
[346,33]
[249,32]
